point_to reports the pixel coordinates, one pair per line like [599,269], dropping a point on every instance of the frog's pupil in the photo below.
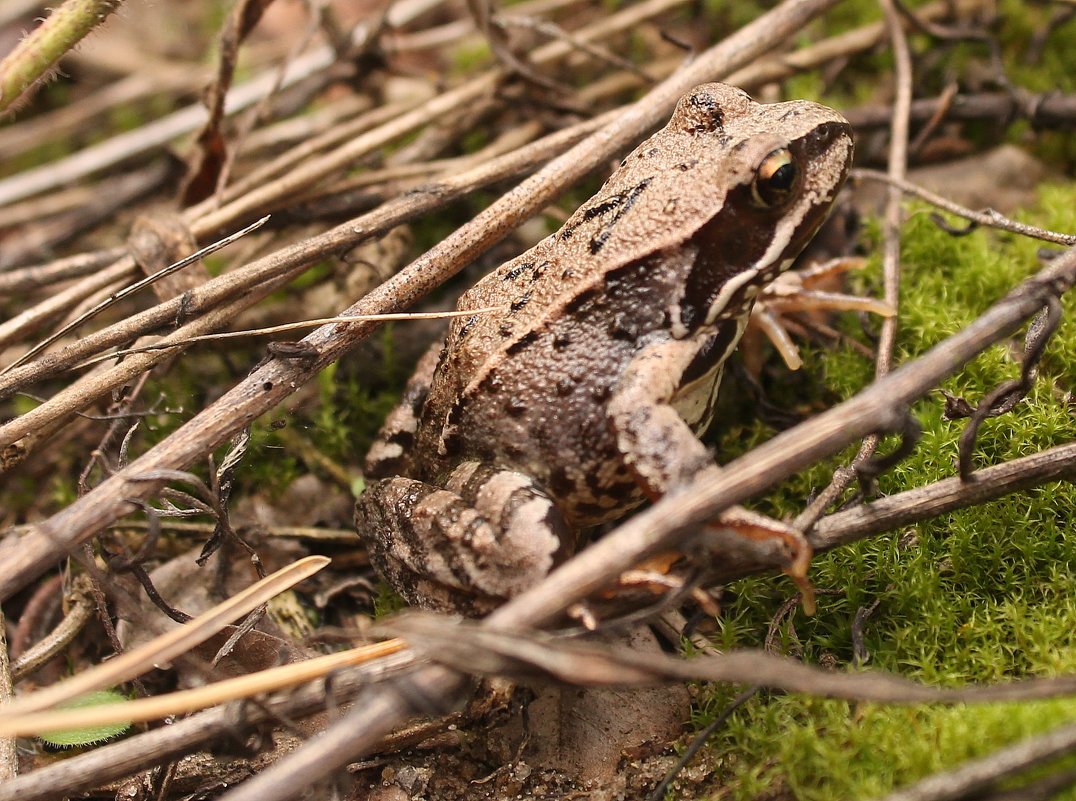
[775,178]
[783,177]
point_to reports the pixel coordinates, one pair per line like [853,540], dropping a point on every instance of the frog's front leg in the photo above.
[664,398]
[485,536]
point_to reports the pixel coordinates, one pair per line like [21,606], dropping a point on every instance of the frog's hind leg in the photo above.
[488,535]
[388,456]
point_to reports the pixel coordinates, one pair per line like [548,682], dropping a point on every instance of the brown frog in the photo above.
[584,394]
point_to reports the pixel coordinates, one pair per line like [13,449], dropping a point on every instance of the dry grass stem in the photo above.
[975,776]
[287,327]
[176,703]
[168,646]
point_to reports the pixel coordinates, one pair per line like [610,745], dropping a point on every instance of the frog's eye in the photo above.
[774,179]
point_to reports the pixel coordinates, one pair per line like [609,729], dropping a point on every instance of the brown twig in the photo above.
[941,497]
[1051,110]
[9,755]
[82,609]
[898,165]
[988,217]
[59,270]
[253,281]
[980,774]
[526,655]
[56,304]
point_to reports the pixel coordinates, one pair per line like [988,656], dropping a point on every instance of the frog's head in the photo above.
[780,168]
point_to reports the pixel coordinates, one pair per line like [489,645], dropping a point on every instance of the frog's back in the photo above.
[663,192]
[647,215]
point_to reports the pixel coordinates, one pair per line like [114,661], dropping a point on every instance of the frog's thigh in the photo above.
[388,454]
[659,448]
[490,535]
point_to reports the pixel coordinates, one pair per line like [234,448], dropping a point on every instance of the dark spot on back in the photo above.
[706,114]
[518,270]
[624,328]
[519,303]
[523,342]
[584,297]
[619,204]
[534,268]
[465,329]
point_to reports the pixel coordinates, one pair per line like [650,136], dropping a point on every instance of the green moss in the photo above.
[351,411]
[981,595]
[832,749]
[468,58]
[1054,69]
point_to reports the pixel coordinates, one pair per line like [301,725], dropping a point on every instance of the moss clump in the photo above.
[982,595]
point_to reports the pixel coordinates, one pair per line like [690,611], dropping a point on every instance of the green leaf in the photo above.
[91,735]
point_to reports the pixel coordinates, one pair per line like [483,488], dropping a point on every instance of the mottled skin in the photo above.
[583,394]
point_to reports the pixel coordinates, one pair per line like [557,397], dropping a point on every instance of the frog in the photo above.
[579,385]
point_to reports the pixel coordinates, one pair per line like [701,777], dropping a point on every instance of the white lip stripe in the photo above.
[782,236]
[728,289]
